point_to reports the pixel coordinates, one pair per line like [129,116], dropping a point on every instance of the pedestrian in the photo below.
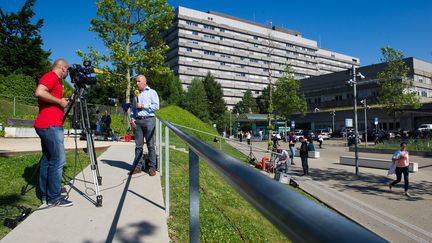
[304,155]
[282,161]
[320,140]
[260,134]
[401,159]
[311,146]
[143,120]
[98,121]
[248,138]
[106,121]
[292,142]
[49,127]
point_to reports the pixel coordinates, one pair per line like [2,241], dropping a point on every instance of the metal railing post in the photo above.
[157,136]
[167,197]
[160,147]
[194,207]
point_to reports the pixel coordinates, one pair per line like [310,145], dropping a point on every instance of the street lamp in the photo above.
[353,83]
[363,101]
[333,113]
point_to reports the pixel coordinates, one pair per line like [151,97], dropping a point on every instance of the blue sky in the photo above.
[356,28]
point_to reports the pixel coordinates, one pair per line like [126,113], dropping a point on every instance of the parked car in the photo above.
[325,134]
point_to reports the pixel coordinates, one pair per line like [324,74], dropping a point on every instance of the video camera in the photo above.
[80,75]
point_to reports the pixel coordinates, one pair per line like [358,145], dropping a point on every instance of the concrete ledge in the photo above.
[390,151]
[374,163]
[20,132]
[312,154]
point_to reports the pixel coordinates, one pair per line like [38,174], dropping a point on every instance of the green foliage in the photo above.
[196,100]
[247,104]
[396,89]
[18,85]
[215,99]
[167,85]
[285,98]
[263,101]
[21,44]
[131,31]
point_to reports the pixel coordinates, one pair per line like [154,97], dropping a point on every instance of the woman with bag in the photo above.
[401,158]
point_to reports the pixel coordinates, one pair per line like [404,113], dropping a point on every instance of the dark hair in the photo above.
[403,143]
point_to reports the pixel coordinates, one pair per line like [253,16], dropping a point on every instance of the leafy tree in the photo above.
[246,105]
[18,85]
[168,86]
[286,99]
[131,30]
[396,89]
[216,103]
[196,100]
[21,44]
[263,101]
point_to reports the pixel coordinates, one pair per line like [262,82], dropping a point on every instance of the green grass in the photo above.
[21,110]
[224,215]
[16,172]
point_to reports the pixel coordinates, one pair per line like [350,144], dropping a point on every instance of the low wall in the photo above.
[391,151]
[374,163]
[312,154]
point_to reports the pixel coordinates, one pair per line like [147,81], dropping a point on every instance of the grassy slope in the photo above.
[225,215]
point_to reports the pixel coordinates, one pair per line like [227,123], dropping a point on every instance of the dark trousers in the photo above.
[145,130]
[399,171]
[304,160]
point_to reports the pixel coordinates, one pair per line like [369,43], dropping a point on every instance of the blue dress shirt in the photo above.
[149,99]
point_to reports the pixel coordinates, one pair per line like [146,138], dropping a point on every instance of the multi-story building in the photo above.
[241,54]
[328,92]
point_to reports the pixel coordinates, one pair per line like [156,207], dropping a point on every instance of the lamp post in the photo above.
[353,82]
[333,113]
[363,101]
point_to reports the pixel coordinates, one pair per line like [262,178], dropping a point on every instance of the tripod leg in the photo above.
[24,189]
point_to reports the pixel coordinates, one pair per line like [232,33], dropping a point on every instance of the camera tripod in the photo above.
[80,114]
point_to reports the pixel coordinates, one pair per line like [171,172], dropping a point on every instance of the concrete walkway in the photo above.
[367,199]
[132,211]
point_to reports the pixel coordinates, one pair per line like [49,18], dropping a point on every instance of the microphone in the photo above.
[136,93]
[97,71]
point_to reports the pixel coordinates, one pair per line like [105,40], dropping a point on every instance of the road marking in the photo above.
[399,229]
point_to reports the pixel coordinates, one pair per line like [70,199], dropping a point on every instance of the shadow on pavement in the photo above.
[119,164]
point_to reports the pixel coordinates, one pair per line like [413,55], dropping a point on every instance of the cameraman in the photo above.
[143,120]
[49,127]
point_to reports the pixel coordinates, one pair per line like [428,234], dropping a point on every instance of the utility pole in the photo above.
[363,101]
[270,107]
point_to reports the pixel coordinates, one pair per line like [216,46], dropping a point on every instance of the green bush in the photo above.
[18,85]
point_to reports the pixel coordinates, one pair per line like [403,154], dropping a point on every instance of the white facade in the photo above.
[242,55]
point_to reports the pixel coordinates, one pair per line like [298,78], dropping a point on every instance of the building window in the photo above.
[210,53]
[210,18]
[257,92]
[222,63]
[209,36]
[189,49]
[255,37]
[194,32]
[221,38]
[255,45]
[192,23]
[208,27]
[222,30]
[242,66]
[243,74]
[195,42]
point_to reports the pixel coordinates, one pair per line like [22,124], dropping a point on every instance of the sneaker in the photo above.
[152,171]
[62,203]
[407,194]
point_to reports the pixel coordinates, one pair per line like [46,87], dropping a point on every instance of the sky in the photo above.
[355,28]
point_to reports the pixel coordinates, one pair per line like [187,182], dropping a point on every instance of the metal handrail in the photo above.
[299,218]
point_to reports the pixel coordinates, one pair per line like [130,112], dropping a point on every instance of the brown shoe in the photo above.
[134,171]
[152,172]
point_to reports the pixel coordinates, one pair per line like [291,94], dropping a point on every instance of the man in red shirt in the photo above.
[49,127]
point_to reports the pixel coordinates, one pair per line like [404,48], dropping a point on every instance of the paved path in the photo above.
[132,211]
[366,199]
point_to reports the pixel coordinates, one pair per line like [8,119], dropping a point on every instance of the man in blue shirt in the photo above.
[143,120]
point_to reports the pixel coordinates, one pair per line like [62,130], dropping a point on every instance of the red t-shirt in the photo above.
[50,114]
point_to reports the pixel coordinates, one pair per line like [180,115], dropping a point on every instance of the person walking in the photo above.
[248,138]
[143,120]
[49,127]
[292,142]
[106,121]
[304,155]
[401,159]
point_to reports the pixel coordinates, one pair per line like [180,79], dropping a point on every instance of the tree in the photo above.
[131,30]
[21,44]
[246,105]
[215,99]
[264,101]
[168,86]
[286,99]
[396,89]
[196,100]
